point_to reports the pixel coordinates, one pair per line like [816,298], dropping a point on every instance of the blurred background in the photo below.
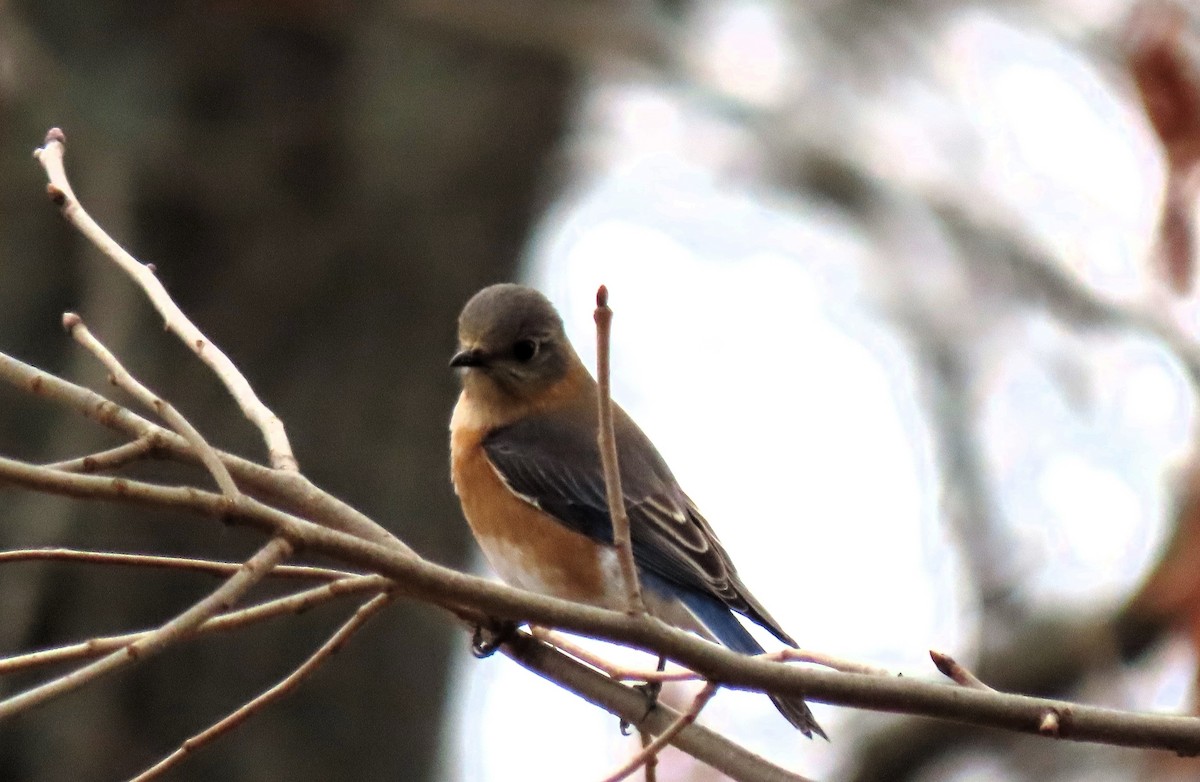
[903,292]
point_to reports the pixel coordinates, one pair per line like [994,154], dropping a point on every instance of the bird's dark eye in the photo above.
[524,350]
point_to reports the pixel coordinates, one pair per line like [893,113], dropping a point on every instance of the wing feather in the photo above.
[553,460]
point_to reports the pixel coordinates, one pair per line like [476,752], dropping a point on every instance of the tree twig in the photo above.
[951,668]
[165,410]
[296,603]
[110,459]
[621,701]
[50,155]
[208,566]
[291,489]
[251,571]
[281,688]
[608,457]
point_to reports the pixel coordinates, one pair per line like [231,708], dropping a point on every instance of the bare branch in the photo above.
[121,378]
[291,489]
[208,566]
[608,456]
[50,155]
[282,688]
[251,571]
[291,604]
[614,671]
[111,459]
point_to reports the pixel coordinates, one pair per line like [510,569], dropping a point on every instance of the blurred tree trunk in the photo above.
[321,190]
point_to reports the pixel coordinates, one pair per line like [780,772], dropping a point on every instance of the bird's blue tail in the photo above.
[724,624]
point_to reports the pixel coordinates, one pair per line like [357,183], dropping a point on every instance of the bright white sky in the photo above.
[749,345]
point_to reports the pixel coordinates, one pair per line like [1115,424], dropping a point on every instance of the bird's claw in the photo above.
[650,690]
[490,637]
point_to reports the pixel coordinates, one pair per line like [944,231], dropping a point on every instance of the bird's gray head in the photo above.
[511,338]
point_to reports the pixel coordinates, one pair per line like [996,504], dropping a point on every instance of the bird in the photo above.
[526,466]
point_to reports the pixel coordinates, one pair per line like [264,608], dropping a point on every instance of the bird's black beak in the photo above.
[473,357]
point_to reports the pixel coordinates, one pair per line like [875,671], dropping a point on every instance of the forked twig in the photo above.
[165,410]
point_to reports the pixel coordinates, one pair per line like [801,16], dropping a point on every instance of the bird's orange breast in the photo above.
[526,546]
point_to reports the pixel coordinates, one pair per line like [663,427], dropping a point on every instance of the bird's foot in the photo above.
[650,690]
[490,637]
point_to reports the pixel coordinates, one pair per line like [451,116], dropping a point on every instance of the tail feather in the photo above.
[728,630]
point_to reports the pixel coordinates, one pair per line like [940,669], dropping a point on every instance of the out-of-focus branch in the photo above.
[586,33]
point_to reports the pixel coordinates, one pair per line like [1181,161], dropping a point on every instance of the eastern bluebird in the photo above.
[526,467]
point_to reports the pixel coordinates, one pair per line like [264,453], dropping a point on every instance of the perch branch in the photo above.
[454,590]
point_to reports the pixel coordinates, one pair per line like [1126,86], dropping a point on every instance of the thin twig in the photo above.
[652,749]
[283,687]
[50,155]
[651,762]
[183,624]
[607,440]
[624,673]
[110,459]
[290,489]
[123,379]
[951,668]
[789,655]
[614,671]
[208,566]
[296,603]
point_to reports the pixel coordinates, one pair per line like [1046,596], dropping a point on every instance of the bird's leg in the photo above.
[651,691]
[490,636]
